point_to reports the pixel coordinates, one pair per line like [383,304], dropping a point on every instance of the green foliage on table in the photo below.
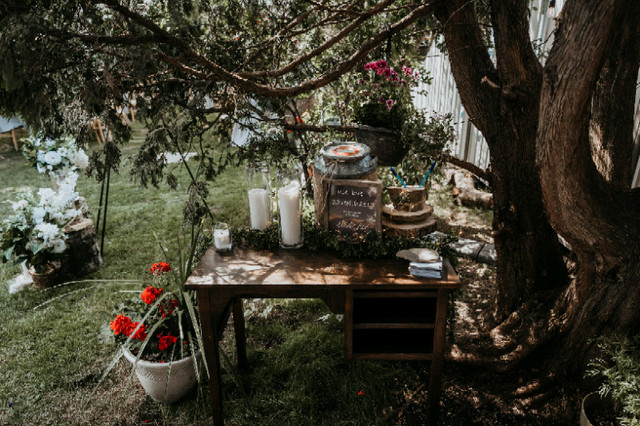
[371,245]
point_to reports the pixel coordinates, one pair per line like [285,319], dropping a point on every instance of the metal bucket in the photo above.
[345,160]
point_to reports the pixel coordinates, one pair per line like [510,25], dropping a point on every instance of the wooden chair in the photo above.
[13,134]
[99,130]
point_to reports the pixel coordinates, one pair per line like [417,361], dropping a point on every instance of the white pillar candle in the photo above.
[221,239]
[289,203]
[259,208]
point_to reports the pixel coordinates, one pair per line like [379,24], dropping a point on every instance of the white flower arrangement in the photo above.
[57,158]
[36,231]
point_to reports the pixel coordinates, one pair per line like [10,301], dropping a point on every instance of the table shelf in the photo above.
[391,325]
[392,341]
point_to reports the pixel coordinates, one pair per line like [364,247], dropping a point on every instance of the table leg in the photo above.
[435,376]
[14,139]
[241,337]
[210,316]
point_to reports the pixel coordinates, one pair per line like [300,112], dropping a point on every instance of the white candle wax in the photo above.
[259,208]
[289,203]
[221,238]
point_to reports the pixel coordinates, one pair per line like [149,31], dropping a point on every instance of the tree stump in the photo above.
[83,254]
[408,216]
[465,192]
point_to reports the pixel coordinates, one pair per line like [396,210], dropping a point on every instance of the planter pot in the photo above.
[384,143]
[595,409]
[153,377]
[408,199]
[50,277]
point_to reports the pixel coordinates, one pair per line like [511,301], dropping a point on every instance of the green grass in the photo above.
[51,356]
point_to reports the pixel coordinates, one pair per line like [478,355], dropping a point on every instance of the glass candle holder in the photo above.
[258,191]
[222,238]
[290,208]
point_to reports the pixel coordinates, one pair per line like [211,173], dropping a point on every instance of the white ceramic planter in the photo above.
[153,377]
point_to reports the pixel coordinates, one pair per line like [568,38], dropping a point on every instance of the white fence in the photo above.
[443,96]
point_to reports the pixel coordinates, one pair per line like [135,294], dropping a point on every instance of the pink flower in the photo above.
[389,103]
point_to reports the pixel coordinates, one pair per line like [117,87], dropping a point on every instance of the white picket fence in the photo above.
[442,95]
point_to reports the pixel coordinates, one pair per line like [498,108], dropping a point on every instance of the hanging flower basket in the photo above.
[384,143]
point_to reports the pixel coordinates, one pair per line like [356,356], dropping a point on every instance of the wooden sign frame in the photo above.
[352,183]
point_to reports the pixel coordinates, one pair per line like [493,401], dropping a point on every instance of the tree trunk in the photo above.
[529,254]
[602,301]
[596,216]
[503,103]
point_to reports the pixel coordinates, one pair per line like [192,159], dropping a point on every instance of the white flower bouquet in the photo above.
[57,158]
[35,233]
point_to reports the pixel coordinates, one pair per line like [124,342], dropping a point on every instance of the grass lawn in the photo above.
[51,355]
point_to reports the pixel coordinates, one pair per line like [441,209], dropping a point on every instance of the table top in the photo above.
[249,268]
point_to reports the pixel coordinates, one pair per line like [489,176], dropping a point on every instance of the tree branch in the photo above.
[470,62]
[576,195]
[481,173]
[125,40]
[218,73]
[318,129]
[323,47]
[516,60]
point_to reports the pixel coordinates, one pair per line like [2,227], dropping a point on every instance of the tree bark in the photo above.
[504,103]
[612,109]
[597,217]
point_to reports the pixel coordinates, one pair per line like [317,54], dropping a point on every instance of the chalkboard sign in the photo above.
[353,205]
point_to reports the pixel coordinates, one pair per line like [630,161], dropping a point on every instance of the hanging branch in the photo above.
[217,73]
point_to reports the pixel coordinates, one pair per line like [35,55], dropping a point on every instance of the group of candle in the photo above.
[289,198]
[289,207]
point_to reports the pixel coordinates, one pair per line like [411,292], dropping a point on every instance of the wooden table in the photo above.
[389,314]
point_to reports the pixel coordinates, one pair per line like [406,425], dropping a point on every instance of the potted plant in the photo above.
[159,334]
[389,123]
[617,397]
[35,234]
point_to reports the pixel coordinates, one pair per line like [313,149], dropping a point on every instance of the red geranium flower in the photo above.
[123,325]
[141,334]
[165,341]
[159,268]
[120,325]
[149,294]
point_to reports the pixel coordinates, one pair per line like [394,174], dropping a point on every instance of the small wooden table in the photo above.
[389,314]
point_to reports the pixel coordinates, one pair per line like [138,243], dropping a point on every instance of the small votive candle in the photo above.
[222,237]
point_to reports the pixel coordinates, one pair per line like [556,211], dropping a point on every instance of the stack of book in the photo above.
[426,269]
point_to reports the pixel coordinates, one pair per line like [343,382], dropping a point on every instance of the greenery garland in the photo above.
[372,245]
